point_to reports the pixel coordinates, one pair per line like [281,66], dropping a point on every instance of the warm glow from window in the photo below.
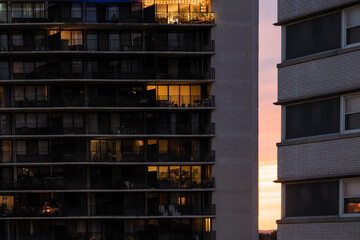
[207,224]
[353,208]
[7,201]
[139,143]
[181,201]
[152,168]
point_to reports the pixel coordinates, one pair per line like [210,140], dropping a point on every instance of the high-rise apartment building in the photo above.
[319,92]
[108,117]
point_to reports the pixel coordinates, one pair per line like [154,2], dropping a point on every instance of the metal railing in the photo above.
[146,100]
[182,182]
[112,156]
[111,45]
[116,235]
[106,210]
[180,45]
[50,72]
[185,17]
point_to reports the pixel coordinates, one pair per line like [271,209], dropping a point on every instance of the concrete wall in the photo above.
[288,9]
[236,118]
[321,76]
[319,159]
[320,231]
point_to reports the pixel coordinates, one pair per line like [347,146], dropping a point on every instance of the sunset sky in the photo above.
[269,116]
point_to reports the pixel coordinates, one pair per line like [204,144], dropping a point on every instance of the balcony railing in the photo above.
[91,16]
[45,183]
[61,156]
[184,18]
[112,46]
[111,73]
[111,129]
[116,235]
[61,183]
[106,210]
[180,46]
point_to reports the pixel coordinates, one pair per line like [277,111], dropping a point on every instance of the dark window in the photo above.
[315,118]
[312,199]
[313,36]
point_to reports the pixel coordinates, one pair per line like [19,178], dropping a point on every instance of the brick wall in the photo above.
[319,231]
[288,9]
[319,159]
[321,76]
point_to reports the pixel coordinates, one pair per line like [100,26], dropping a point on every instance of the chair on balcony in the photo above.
[128,185]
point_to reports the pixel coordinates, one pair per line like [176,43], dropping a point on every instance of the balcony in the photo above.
[184,18]
[151,101]
[76,17]
[114,157]
[106,210]
[45,183]
[110,73]
[112,46]
[180,46]
[116,235]
[61,183]
[111,129]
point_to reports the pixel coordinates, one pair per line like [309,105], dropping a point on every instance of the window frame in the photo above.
[345,28]
[34,11]
[283,199]
[343,113]
[342,197]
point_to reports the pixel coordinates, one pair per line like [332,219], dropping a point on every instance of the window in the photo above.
[28,10]
[113,12]
[76,10]
[351,196]
[17,39]
[30,147]
[353,26]
[30,93]
[177,95]
[74,37]
[73,120]
[90,12]
[39,10]
[312,199]
[91,41]
[77,66]
[314,118]
[5,151]
[313,36]
[3,11]
[114,41]
[352,112]
[4,70]
[16,10]
[27,68]
[31,120]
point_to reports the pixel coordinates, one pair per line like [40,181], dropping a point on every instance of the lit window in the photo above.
[352,196]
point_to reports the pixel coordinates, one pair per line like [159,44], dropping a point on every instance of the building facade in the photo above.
[319,93]
[108,117]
